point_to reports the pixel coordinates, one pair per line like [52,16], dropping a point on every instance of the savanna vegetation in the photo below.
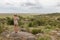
[44,26]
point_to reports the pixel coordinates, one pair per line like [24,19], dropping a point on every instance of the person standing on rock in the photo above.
[16,19]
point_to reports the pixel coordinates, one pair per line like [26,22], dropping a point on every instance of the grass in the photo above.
[46,28]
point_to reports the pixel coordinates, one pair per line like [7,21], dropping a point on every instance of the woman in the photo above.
[16,18]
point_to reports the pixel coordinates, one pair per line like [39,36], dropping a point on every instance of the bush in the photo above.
[48,27]
[45,38]
[30,25]
[9,21]
[34,24]
[36,31]
[1,29]
[2,25]
[20,23]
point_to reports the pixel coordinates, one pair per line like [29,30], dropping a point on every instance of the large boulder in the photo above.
[20,36]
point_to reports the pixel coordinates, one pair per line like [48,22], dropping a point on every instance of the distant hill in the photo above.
[27,14]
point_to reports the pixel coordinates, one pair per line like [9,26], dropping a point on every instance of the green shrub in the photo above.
[2,25]
[34,24]
[48,27]
[36,31]
[20,23]
[44,38]
[9,21]
[30,25]
[1,29]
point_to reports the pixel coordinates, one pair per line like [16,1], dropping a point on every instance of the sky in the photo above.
[29,6]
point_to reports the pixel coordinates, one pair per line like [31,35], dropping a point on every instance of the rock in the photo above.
[21,36]
[55,35]
[5,33]
[39,34]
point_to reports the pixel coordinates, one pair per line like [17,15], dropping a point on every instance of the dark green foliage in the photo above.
[58,19]
[30,25]
[38,23]
[36,31]
[32,19]
[33,24]
[1,28]
[20,17]
[9,21]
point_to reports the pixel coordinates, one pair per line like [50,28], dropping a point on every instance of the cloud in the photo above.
[32,6]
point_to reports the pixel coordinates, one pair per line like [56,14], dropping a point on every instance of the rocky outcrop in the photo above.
[55,35]
[20,36]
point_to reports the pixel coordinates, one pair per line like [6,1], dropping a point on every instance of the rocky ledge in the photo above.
[19,36]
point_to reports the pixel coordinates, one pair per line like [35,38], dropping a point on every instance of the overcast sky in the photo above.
[29,6]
